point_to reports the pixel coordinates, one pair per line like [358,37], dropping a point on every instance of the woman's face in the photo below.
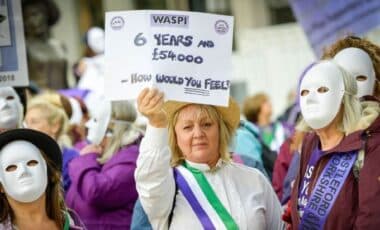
[197,135]
[266,109]
[37,120]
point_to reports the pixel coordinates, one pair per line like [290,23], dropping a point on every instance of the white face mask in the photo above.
[359,64]
[97,125]
[23,171]
[10,108]
[321,94]
[77,113]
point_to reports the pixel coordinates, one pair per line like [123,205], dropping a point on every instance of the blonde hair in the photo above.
[124,132]
[252,106]
[350,109]
[53,113]
[226,133]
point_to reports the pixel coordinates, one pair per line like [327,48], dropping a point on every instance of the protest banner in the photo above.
[13,66]
[186,55]
[324,22]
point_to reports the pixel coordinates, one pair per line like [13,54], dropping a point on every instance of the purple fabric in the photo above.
[192,200]
[303,190]
[104,195]
[75,92]
[326,21]
[67,155]
[327,190]
[80,145]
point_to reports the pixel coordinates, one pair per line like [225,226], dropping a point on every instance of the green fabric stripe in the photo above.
[67,222]
[227,219]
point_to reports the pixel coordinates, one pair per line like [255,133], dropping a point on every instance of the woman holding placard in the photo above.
[184,175]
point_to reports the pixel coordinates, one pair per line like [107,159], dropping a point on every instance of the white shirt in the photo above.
[244,191]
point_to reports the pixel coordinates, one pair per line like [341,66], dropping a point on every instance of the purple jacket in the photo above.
[104,195]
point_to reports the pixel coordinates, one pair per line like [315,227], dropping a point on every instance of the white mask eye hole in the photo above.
[305,92]
[323,89]
[10,98]
[32,163]
[361,78]
[11,168]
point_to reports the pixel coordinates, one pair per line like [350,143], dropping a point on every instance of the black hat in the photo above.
[44,142]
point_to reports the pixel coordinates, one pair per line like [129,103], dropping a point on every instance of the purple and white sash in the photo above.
[326,190]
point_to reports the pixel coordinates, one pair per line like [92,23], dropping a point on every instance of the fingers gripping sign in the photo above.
[150,103]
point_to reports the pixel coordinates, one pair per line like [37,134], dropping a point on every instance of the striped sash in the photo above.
[206,205]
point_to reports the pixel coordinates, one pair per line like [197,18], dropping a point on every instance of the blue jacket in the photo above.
[140,220]
[246,142]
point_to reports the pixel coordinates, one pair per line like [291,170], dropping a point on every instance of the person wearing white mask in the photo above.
[358,63]
[327,193]
[11,109]
[361,58]
[98,123]
[30,189]
[103,190]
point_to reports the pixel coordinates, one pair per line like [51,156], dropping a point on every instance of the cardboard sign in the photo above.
[13,66]
[186,55]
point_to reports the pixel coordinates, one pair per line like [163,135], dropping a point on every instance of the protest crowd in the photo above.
[81,157]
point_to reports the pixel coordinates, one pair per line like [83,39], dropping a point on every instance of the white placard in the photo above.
[13,66]
[187,55]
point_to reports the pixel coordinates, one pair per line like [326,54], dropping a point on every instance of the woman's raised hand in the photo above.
[91,148]
[150,103]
